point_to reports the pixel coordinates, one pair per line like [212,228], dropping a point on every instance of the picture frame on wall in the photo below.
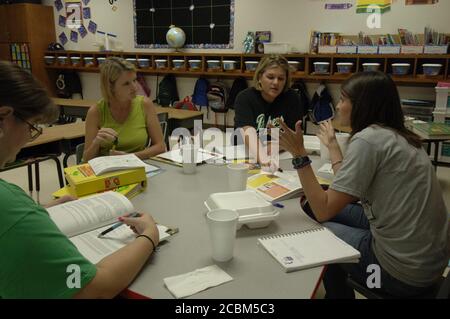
[260,38]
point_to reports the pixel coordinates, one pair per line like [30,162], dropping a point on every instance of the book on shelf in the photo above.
[84,219]
[83,181]
[313,246]
[129,191]
[431,129]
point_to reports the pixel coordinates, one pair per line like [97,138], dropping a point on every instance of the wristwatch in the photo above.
[301,161]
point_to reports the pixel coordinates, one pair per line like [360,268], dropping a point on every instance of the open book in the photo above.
[278,186]
[103,164]
[309,248]
[84,219]
[176,157]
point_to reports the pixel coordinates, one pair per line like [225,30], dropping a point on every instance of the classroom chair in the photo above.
[440,290]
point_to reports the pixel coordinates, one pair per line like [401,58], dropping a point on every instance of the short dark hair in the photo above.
[375,100]
[21,91]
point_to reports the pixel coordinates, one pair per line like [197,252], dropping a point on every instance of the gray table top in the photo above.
[177,200]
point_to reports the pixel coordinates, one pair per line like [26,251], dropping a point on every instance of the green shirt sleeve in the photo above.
[38,261]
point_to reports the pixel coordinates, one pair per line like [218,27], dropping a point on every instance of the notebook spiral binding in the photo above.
[293,233]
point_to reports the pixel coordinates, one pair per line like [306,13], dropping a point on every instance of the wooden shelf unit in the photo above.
[32,25]
[306,66]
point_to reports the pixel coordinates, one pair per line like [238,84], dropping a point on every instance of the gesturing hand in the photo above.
[292,141]
[326,134]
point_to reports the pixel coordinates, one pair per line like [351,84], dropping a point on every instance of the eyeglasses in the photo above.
[35,131]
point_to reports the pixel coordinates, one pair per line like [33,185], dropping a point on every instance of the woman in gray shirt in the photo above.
[401,225]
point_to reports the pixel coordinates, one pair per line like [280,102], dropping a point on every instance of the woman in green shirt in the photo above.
[122,122]
[36,257]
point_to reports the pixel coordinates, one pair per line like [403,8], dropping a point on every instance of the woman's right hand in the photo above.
[143,224]
[326,134]
[105,136]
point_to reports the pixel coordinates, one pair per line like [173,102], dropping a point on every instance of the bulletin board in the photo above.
[206,23]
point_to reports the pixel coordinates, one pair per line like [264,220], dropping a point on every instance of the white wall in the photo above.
[289,20]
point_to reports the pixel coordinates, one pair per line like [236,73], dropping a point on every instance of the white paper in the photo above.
[176,156]
[188,284]
[104,164]
[88,213]
[95,249]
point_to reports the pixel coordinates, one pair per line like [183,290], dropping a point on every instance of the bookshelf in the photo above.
[306,72]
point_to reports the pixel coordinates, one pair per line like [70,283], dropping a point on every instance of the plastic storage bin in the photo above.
[49,59]
[100,61]
[431,69]
[143,63]
[344,67]
[161,63]
[178,64]
[400,68]
[367,67]
[89,61]
[229,65]
[321,67]
[63,60]
[132,61]
[294,65]
[253,210]
[251,65]
[75,60]
[213,65]
[195,64]
[276,48]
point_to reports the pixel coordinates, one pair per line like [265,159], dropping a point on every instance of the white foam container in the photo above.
[195,64]
[229,65]
[178,64]
[251,65]
[213,64]
[253,210]
[161,63]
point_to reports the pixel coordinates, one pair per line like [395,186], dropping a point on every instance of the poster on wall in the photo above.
[92,27]
[373,6]
[82,30]
[74,36]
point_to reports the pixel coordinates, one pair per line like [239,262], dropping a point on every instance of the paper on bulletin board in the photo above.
[82,30]
[63,38]
[92,27]
[58,5]
[74,36]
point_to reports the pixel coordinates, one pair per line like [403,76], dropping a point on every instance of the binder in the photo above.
[309,248]
[83,181]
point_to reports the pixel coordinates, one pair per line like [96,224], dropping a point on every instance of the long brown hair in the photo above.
[375,100]
[21,91]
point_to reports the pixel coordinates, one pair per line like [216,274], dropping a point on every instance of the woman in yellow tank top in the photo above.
[122,122]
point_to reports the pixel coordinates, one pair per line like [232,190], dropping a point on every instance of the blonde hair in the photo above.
[110,71]
[270,62]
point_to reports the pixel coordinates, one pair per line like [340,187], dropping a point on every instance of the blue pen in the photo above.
[278,205]
[114,226]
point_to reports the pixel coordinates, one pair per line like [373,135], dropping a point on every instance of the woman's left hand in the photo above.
[114,152]
[61,200]
[292,141]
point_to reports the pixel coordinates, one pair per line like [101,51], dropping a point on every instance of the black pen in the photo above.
[114,226]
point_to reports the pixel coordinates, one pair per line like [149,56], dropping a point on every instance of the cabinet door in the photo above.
[3,27]
[16,22]
[4,52]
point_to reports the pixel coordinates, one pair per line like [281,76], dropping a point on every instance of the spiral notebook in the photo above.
[308,249]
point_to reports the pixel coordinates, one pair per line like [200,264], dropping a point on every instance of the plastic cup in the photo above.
[189,155]
[222,225]
[342,139]
[237,177]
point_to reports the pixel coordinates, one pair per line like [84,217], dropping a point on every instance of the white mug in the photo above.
[222,229]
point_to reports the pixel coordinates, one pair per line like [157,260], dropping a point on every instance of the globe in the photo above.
[175,37]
